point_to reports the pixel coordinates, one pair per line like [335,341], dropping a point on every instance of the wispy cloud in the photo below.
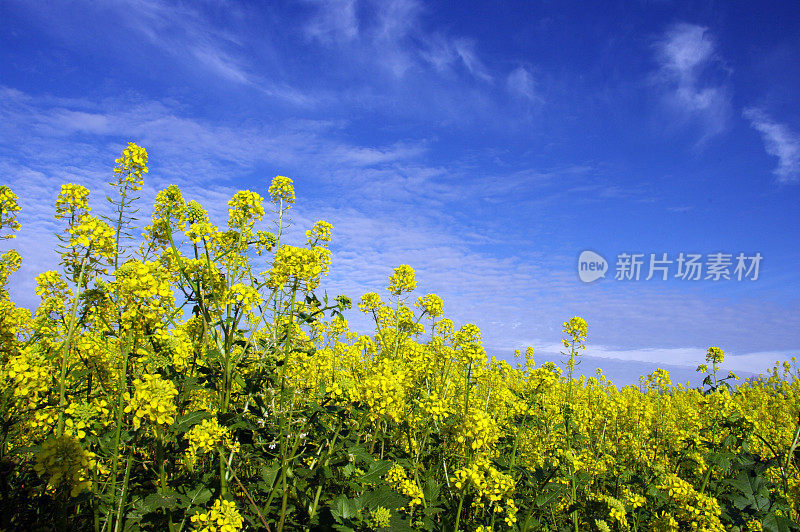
[779,141]
[445,54]
[520,82]
[335,21]
[742,363]
[692,76]
[392,37]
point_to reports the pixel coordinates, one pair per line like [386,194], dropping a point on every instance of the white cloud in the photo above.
[779,141]
[690,357]
[445,53]
[687,57]
[393,38]
[520,82]
[336,21]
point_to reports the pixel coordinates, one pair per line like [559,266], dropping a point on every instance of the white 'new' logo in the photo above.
[591,266]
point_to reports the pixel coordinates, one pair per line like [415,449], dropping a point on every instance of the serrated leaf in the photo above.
[199,496]
[431,490]
[187,421]
[342,508]
[398,524]
[776,523]
[158,501]
[376,471]
[383,496]
[269,473]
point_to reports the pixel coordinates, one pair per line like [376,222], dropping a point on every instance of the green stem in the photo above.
[65,349]
[162,475]
[121,503]
[121,386]
[313,511]
[458,513]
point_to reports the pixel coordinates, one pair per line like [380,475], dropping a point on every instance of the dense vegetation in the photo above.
[196,379]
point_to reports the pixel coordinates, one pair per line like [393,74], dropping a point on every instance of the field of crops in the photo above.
[196,379]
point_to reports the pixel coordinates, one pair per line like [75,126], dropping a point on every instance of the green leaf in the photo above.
[383,496]
[187,421]
[777,523]
[199,496]
[269,473]
[343,508]
[753,492]
[398,524]
[157,501]
[376,471]
[431,491]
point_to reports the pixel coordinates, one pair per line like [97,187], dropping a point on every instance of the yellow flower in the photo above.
[153,400]
[169,214]
[95,235]
[431,304]
[715,355]
[381,517]
[398,479]
[298,263]
[370,301]
[321,232]
[245,208]
[8,208]
[130,167]
[66,464]
[402,280]
[576,328]
[72,201]
[204,438]
[282,190]
[223,517]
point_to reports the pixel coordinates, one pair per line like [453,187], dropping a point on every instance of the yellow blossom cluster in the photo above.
[292,262]
[245,208]
[384,392]
[692,508]
[479,432]
[398,479]
[94,235]
[8,209]
[321,232]
[381,517]
[145,290]
[222,517]
[66,464]
[402,280]
[130,167]
[153,400]
[488,483]
[72,201]
[281,190]
[431,304]
[204,438]
[169,215]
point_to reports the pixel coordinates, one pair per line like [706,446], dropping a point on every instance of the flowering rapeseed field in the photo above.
[194,380]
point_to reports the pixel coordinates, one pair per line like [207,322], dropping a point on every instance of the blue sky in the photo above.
[486,144]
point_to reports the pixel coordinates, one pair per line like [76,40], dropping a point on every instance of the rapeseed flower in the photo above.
[66,464]
[222,517]
[153,400]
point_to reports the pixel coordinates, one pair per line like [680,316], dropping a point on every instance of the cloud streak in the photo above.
[779,141]
[691,75]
